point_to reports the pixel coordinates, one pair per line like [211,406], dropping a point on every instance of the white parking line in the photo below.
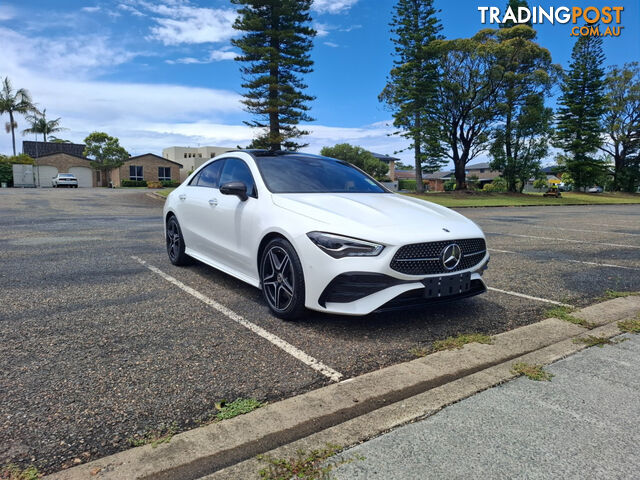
[609,265]
[556,239]
[275,340]
[529,297]
[550,227]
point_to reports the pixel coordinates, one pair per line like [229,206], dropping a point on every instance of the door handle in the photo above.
[213,202]
[182,197]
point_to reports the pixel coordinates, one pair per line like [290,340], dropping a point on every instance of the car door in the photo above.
[237,219]
[197,210]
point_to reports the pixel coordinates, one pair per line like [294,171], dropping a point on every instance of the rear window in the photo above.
[66,175]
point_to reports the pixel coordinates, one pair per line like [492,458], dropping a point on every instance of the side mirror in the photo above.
[238,189]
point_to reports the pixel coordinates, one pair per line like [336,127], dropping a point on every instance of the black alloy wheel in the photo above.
[282,279]
[175,243]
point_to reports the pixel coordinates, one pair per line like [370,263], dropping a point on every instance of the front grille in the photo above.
[424,258]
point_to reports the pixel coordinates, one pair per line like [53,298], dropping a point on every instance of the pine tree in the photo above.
[411,89]
[579,118]
[275,46]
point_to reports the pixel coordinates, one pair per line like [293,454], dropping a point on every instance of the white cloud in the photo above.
[333,6]
[224,53]
[322,29]
[79,56]
[90,9]
[331,44]
[182,24]
[132,10]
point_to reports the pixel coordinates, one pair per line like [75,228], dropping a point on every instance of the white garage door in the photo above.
[84,176]
[45,173]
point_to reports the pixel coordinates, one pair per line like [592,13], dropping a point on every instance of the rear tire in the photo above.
[175,243]
[282,280]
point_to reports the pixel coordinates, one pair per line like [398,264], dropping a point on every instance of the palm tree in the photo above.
[40,124]
[14,102]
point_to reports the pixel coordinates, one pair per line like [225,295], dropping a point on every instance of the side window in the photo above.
[209,175]
[235,170]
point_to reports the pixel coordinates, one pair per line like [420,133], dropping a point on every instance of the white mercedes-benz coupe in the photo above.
[318,233]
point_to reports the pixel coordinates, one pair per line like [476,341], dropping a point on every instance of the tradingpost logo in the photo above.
[588,21]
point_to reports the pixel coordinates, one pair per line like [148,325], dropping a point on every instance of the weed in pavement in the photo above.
[564,313]
[630,326]
[239,406]
[307,465]
[154,437]
[533,372]
[13,472]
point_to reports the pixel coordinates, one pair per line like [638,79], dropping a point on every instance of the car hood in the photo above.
[391,216]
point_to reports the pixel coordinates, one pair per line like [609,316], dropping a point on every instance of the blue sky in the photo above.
[160,73]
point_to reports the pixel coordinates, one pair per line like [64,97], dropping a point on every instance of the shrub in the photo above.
[498,185]
[170,183]
[133,183]
[540,183]
[23,158]
[407,184]
[450,185]
[6,173]
[154,185]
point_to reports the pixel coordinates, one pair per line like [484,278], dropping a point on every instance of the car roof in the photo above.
[257,153]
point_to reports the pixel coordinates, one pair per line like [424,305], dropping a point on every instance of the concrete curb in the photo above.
[355,409]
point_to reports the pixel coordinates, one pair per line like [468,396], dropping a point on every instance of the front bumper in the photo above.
[362,285]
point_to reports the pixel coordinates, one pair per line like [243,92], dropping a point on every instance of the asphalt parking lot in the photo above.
[103,339]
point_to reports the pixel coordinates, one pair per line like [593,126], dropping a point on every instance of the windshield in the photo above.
[302,174]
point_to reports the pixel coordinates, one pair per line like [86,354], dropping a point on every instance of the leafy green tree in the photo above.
[471,81]
[357,156]
[579,118]
[107,153]
[622,125]
[540,183]
[520,138]
[411,90]
[40,125]
[276,43]
[12,102]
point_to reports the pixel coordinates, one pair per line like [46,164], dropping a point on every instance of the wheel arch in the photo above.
[263,244]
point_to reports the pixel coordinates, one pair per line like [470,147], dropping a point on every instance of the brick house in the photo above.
[48,166]
[148,167]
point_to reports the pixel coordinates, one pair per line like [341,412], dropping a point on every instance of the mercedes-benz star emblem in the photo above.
[451,256]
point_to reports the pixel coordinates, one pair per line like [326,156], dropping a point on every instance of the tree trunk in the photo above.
[274,115]
[417,140]
[13,133]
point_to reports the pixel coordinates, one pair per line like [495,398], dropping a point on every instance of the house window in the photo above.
[185,155]
[164,173]
[135,172]
[482,170]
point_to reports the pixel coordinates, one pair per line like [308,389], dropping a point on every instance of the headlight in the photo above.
[338,246]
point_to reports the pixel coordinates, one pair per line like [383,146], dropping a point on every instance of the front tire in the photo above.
[282,280]
[175,243]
